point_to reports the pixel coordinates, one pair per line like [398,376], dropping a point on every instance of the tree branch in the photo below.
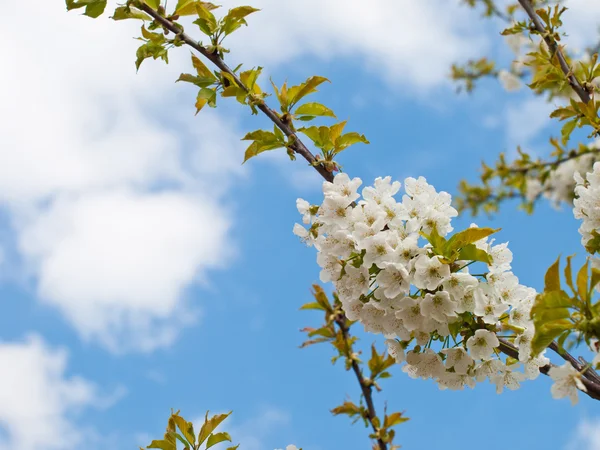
[365,387]
[555,49]
[541,165]
[592,386]
[298,146]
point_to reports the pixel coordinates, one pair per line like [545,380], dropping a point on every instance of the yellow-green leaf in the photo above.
[314,109]
[154,4]
[163,445]
[201,68]
[348,139]
[552,278]
[569,274]
[469,236]
[214,439]
[297,93]
[210,425]
[186,428]
[123,12]
[582,282]
[471,253]
[188,7]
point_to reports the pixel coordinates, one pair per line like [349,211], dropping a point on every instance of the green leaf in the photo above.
[124,12]
[582,282]
[394,419]
[93,8]
[186,428]
[569,274]
[468,236]
[154,4]
[438,242]
[235,18]
[552,278]
[297,93]
[206,20]
[263,141]
[319,136]
[314,109]
[201,68]
[163,444]
[153,48]
[549,314]
[567,129]
[249,78]
[545,334]
[216,438]
[210,425]
[348,139]
[188,7]
[312,305]
[595,278]
[205,96]
[471,253]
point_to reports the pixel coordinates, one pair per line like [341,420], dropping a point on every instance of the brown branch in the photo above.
[555,49]
[558,162]
[592,387]
[365,387]
[297,145]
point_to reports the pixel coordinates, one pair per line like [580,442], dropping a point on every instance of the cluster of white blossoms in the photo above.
[587,203]
[560,184]
[397,274]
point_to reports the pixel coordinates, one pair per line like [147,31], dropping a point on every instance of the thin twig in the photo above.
[298,146]
[366,388]
[592,388]
[541,165]
[555,49]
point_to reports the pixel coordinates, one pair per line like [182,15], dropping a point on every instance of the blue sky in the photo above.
[143,268]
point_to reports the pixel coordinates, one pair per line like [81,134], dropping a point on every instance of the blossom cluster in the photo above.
[398,275]
[559,186]
[587,203]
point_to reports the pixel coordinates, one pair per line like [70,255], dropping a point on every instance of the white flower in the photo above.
[507,378]
[439,306]
[395,350]
[509,81]
[378,250]
[482,344]
[410,313]
[487,308]
[430,272]
[290,447]
[567,381]
[393,280]
[342,187]
[458,359]
[532,367]
[427,364]
[384,189]
[304,209]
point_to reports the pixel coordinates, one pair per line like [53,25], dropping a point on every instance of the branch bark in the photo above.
[365,387]
[298,145]
[555,49]
[588,379]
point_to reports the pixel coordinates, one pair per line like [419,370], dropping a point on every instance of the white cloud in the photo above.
[587,435]
[402,41]
[581,23]
[116,263]
[116,192]
[526,120]
[38,401]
